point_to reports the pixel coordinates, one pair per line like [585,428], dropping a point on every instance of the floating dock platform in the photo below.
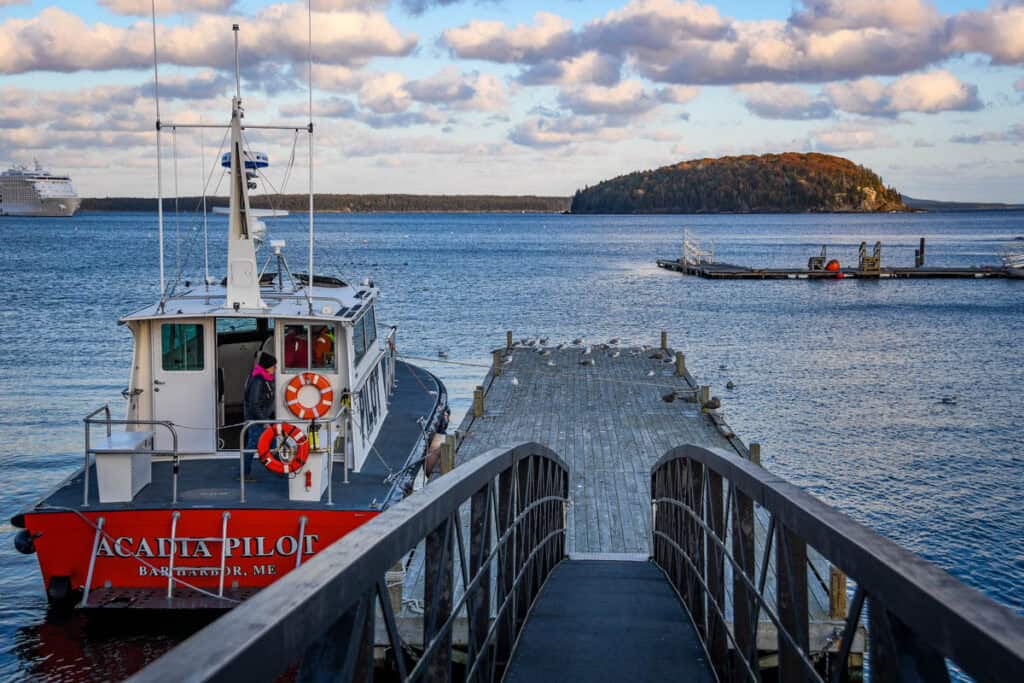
[728,271]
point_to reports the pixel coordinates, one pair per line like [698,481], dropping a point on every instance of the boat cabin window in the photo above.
[181,347]
[309,347]
[364,334]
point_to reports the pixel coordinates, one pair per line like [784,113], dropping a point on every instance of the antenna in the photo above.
[206,240]
[238,76]
[159,165]
[309,52]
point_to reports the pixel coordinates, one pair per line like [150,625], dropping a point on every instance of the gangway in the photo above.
[494,531]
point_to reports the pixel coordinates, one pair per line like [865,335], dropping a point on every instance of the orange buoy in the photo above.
[832,266]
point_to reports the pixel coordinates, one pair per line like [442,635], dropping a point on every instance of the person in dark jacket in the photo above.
[259,402]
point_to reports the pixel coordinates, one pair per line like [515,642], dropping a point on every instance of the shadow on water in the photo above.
[101,646]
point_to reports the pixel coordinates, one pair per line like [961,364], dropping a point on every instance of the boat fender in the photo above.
[323,404]
[25,541]
[272,457]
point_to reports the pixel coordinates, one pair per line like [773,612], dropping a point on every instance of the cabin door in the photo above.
[184,383]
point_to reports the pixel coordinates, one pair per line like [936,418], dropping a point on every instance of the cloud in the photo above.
[770,101]
[57,40]
[143,8]
[997,31]
[930,92]
[452,88]
[684,42]
[1014,135]
[588,67]
[847,137]
[628,98]
[835,15]
[549,38]
[418,7]
[385,93]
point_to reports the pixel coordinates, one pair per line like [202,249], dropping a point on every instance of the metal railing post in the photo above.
[92,560]
[437,598]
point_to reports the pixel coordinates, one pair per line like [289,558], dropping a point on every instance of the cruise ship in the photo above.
[36,192]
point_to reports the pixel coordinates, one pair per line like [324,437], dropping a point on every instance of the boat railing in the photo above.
[91,420]
[392,351]
[694,252]
[326,422]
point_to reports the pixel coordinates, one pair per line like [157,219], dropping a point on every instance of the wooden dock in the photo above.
[728,271]
[603,409]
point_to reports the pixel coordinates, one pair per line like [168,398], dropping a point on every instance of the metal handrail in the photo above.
[89,421]
[323,612]
[703,503]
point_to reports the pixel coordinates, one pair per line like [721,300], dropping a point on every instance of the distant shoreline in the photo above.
[346,203]
[497,204]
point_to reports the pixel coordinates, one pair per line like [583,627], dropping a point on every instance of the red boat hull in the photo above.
[135,549]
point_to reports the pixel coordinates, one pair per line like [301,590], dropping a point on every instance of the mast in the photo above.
[243,274]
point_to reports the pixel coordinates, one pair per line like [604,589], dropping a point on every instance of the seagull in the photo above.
[730,385]
[616,354]
[650,373]
[551,363]
[722,367]
[587,350]
[515,381]
[543,341]
[442,354]
[508,360]
[613,342]
[578,340]
[588,361]
[560,346]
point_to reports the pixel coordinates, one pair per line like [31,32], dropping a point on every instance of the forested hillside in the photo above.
[787,183]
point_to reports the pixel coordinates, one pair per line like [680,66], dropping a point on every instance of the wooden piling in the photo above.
[705,394]
[508,340]
[664,340]
[478,402]
[755,453]
[837,594]
[680,364]
[496,362]
[447,454]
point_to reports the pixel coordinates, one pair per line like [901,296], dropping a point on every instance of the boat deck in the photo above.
[213,482]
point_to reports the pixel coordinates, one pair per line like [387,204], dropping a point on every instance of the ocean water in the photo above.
[842,382]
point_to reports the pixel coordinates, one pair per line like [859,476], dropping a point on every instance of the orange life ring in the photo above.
[271,457]
[303,412]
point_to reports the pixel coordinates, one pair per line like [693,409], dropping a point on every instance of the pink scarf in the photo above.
[258,371]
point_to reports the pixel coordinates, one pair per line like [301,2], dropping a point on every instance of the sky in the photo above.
[524,97]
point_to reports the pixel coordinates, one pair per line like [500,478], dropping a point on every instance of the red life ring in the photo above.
[271,457]
[303,412]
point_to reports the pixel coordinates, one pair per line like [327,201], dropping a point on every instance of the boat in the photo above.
[36,192]
[160,513]
[1013,261]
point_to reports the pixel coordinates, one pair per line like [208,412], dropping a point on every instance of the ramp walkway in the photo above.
[606,620]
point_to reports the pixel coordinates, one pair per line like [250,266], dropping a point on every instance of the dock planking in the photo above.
[610,423]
